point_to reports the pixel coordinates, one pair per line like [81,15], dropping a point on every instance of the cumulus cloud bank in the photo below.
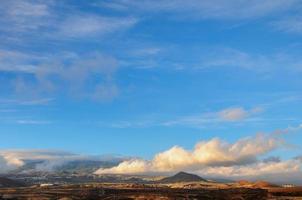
[206,154]
[217,158]
[13,159]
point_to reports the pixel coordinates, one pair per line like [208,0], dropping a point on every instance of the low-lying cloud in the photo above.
[215,158]
[46,160]
[283,171]
[205,154]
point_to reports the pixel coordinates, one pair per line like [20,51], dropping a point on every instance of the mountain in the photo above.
[5,182]
[85,166]
[182,177]
[76,166]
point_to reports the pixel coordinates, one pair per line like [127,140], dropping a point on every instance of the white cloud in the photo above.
[259,170]
[134,166]
[212,153]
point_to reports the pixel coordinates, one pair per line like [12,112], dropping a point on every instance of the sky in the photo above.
[218,82]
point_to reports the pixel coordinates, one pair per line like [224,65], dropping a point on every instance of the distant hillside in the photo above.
[263,184]
[85,166]
[77,166]
[257,184]
[5,182]
[182,177]
[219,180]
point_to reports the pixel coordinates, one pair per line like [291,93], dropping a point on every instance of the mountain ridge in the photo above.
[182,177]
[6,182]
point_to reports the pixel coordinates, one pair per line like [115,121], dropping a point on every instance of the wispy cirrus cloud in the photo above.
[289,25]
[24,15]
[16,61]
[232,114]
[93,25]
[217,9]
[39,74]
[89,76]
[27,102]
[268,63]
[32,122]
[23,19]
[212,58]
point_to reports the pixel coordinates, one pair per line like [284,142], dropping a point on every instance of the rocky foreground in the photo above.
[148,192]
[94,192]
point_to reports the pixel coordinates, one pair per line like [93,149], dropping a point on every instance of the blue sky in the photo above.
[138,77]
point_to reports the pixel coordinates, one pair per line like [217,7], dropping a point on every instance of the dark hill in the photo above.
[182,177]
[5,182]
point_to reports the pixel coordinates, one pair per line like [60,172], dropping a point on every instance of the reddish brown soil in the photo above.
[96,193]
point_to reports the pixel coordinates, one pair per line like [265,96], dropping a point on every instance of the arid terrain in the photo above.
[179,186]
[141,191]
[121,191]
